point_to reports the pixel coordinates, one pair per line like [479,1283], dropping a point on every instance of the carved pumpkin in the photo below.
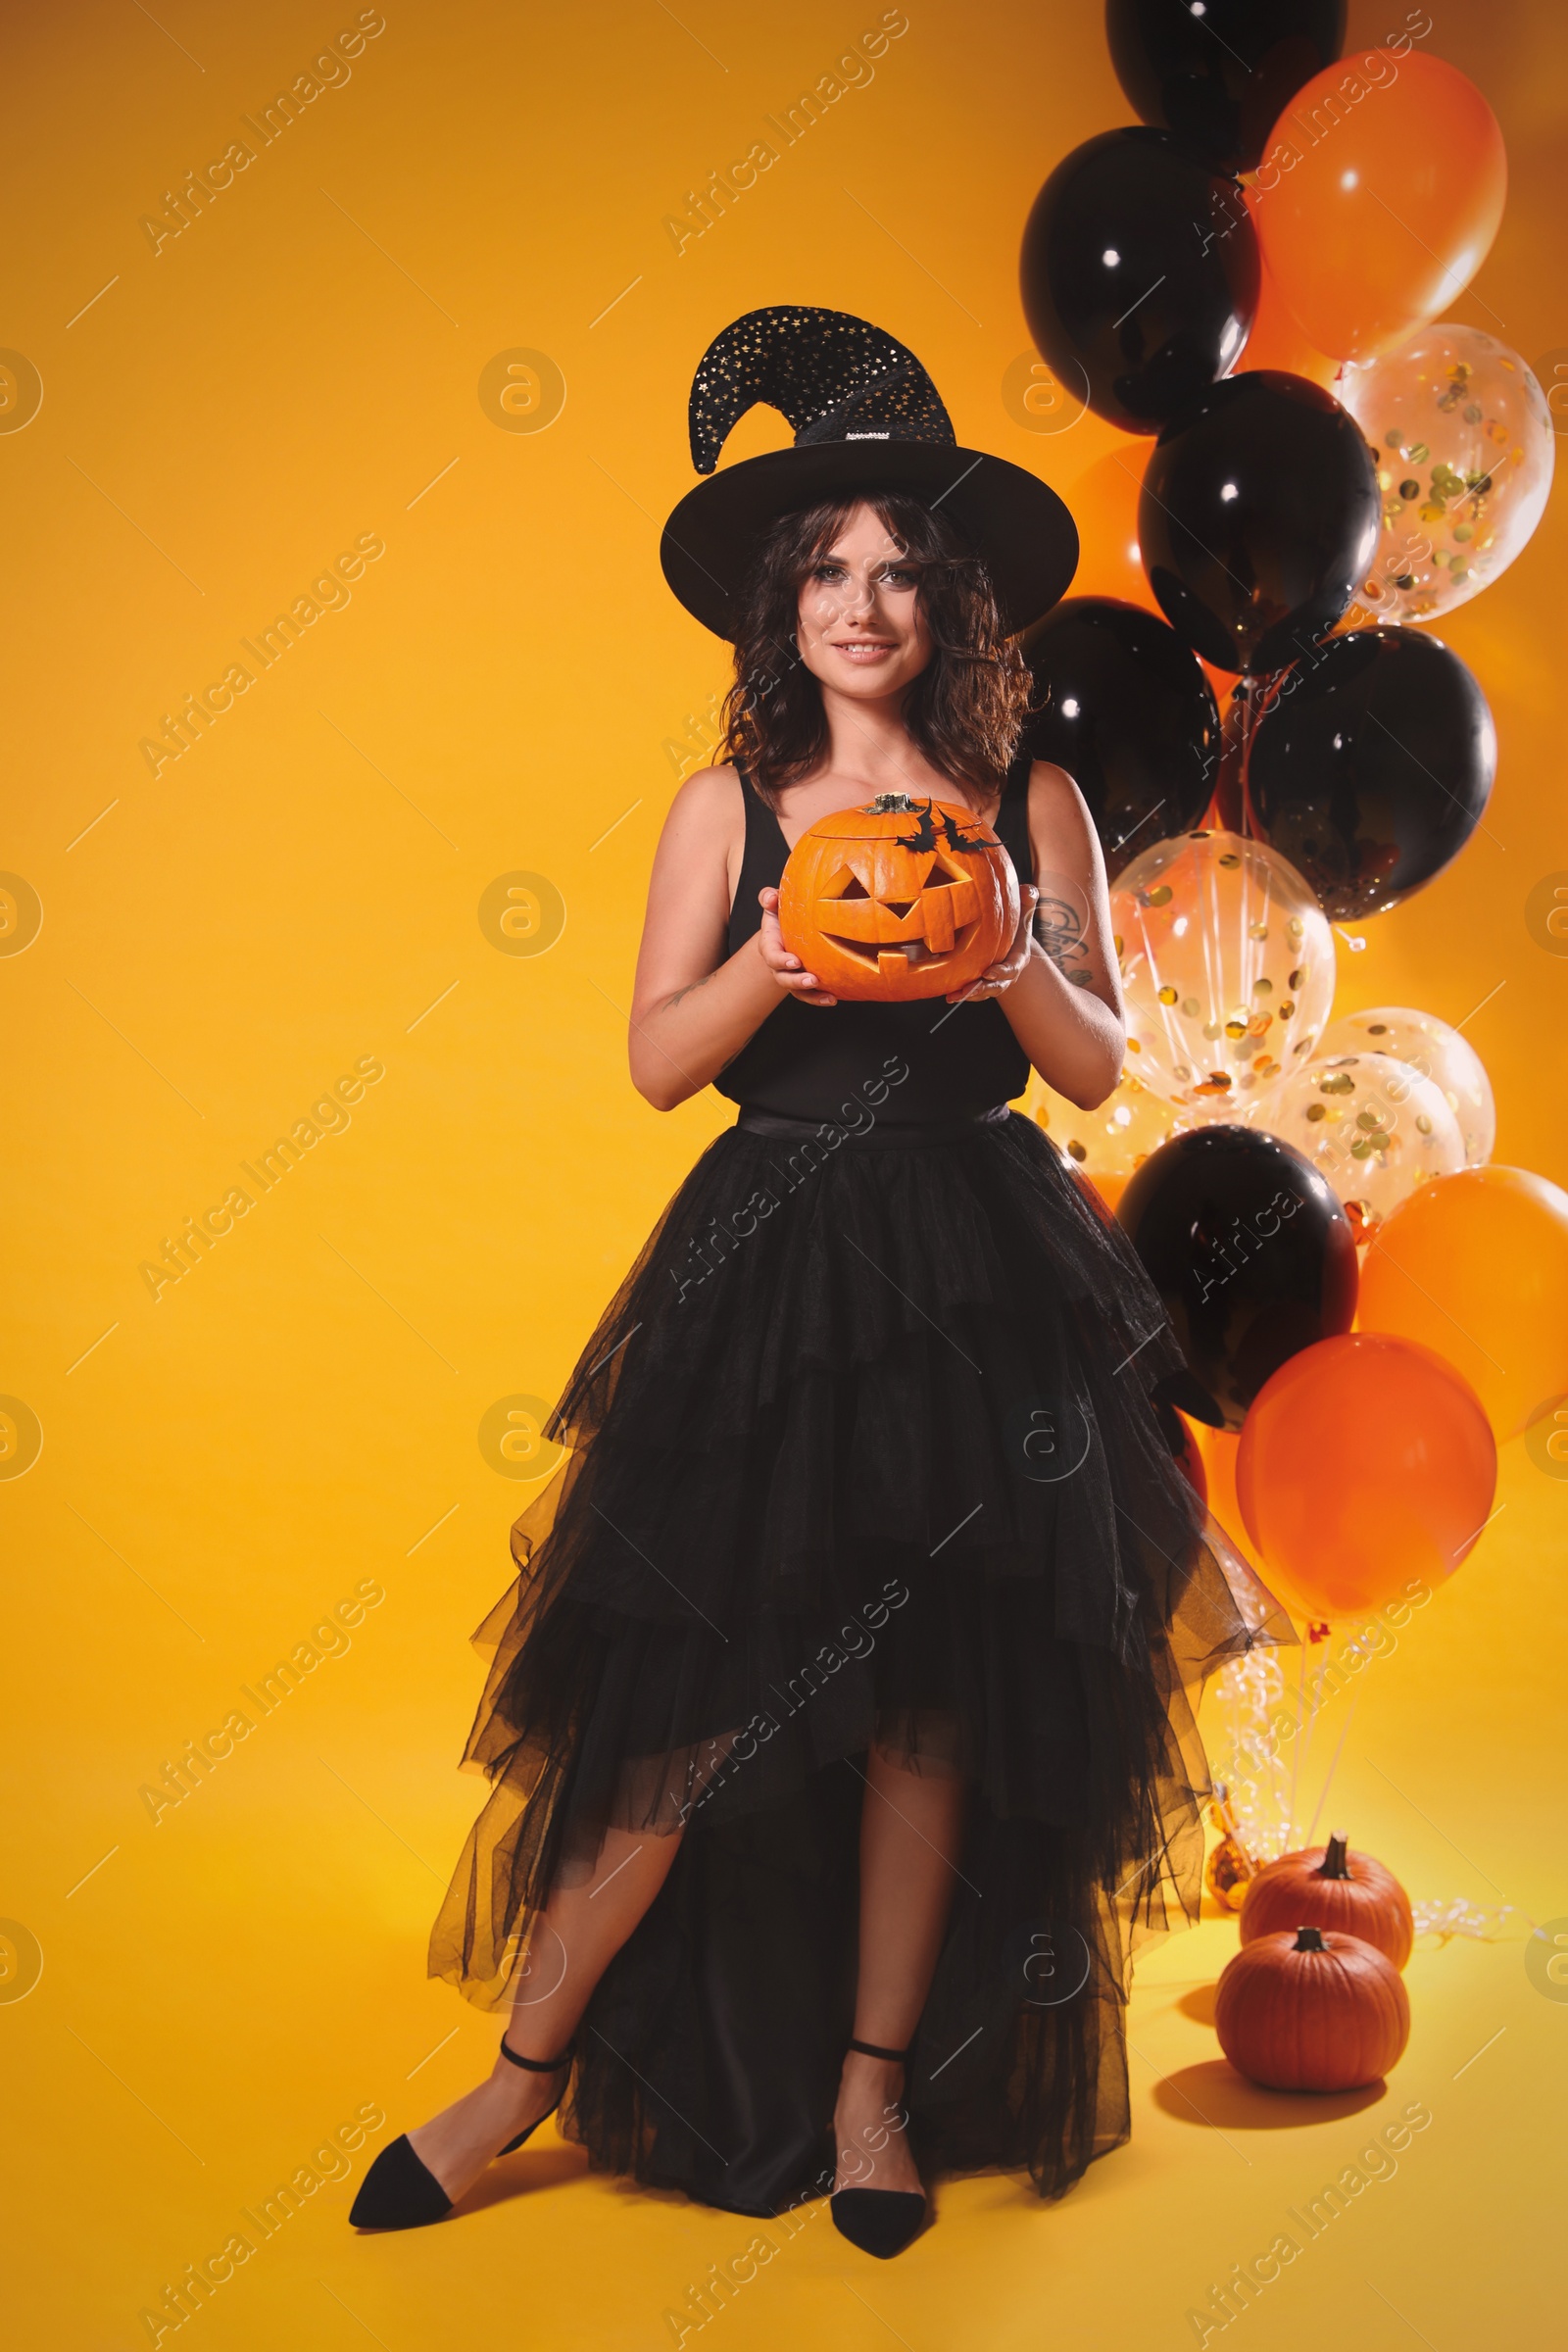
[1329,1887]
[898,899]
[1310,2011]
[1225,1874]
[1230,1868]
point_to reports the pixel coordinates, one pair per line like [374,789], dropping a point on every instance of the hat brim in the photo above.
[1021,529]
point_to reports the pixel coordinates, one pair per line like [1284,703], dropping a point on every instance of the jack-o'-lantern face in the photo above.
[899,900]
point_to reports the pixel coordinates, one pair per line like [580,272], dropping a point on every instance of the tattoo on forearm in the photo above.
[1059,929]
[689,990]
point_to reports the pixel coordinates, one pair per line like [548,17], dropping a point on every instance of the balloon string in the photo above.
[1243,759]
[1318,1681]
[1334,1767]
[1296,1752]
[1259,694]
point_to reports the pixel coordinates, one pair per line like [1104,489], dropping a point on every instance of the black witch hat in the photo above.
[866,417]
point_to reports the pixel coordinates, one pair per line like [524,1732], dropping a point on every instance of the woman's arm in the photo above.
[693,1007]
[1061,993]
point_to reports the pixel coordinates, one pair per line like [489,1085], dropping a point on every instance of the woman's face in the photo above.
[860,625]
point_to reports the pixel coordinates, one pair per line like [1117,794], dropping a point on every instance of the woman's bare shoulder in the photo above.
[711,787]
[709,801]
[1060,827]
[1056,801]
[1052,785]
[704,836]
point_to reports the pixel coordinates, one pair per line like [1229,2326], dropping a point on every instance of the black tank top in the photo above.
[921,1062]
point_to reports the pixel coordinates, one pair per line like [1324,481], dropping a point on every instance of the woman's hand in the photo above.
[789,973]
[998,977]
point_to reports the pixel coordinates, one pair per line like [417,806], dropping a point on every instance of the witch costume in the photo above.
[871,1444]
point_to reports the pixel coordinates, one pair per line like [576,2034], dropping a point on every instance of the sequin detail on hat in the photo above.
[832,376]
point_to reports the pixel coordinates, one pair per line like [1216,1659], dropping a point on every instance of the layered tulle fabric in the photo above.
[863,1451]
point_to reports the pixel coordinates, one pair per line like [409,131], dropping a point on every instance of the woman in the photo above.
[838,1720]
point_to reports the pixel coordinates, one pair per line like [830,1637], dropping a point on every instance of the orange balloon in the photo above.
[1110,1188]
[1276,340]
[1365,1461]
[1379,194]
[1104,507]
[1476,1265]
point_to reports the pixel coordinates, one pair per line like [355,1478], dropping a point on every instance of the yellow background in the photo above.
[301,366]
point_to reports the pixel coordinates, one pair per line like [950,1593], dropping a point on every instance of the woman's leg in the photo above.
[580,1932]
[912,1836]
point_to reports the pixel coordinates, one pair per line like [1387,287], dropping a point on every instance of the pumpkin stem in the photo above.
[1308,1940]
[1334,1864]
[892,803]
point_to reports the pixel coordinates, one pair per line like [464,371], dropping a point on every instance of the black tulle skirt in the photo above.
[865,1448]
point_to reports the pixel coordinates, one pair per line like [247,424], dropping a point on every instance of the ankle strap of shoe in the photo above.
[874,2049]
[537,2066]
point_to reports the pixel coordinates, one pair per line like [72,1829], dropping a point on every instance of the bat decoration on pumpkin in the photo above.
[925,834]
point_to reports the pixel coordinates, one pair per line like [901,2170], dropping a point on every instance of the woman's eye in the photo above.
[897,577]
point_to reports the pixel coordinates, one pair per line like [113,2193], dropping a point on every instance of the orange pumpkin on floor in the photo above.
[1312,2012]
[1329,1887]
[898,899]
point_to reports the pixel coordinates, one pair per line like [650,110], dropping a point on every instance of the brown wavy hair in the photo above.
[964,712]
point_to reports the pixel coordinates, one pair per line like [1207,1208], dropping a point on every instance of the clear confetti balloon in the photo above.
[1438,1052]
[1464,445]
[1118,1135]
[1226,970]
[1372,1126]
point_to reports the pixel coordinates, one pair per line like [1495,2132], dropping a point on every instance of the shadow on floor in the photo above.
[1213,2097]
[518,2175]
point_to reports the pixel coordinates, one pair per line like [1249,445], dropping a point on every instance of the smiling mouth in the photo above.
[913,951]
[884,955]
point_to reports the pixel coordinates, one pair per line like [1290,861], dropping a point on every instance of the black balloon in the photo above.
[1140,276]
[1250,1251]
[1124,707]
[1371,768]
[1259,515]
[1220,76]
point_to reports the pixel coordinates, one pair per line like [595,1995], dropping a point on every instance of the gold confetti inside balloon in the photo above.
[1118,1135]
[1373,1126]
[1227,970]
[1464,446]
[1438,1052]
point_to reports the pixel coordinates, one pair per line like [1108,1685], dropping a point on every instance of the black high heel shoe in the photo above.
[399,2192]
[879,2221]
